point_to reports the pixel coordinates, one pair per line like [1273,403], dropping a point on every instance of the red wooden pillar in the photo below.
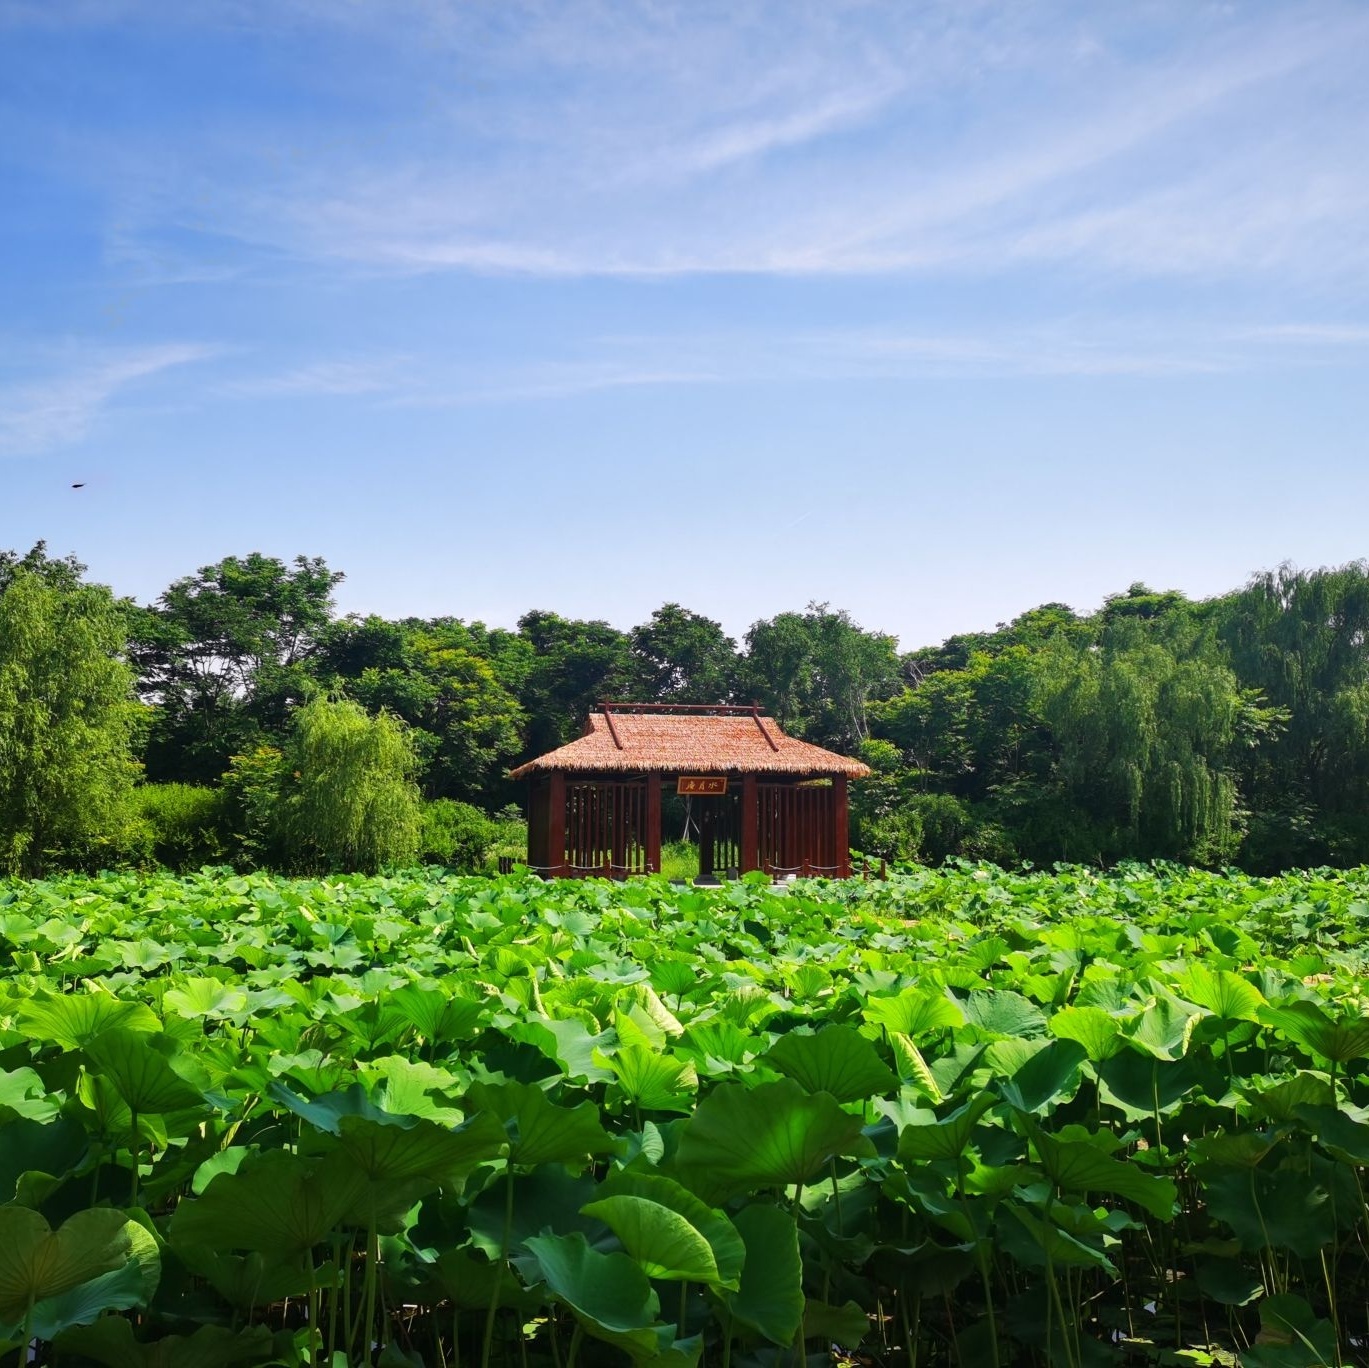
[751,824]
[651,837]
[841,827]
[621,796]
[556,823]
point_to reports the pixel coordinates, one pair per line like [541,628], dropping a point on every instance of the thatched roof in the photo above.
[627,738]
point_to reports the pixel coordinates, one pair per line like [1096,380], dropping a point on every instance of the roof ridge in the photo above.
[682,709]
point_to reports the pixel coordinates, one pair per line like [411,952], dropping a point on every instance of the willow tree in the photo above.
[67,714]
[350,800]
[1145,741]
[1302,638]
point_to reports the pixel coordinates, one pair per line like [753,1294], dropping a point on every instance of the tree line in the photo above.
[238,718]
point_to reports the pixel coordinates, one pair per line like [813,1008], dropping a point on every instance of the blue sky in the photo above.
[931,311]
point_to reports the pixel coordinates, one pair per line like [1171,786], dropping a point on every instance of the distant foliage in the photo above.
[224,657]
[1228,731]
[818,672]
[683,657]
[465,723]
[1145,748]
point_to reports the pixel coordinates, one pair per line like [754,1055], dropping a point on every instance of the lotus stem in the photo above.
[493,1311]
[28,1330]
[981,1258]
[134,1146]
[333,1300]
[372,1277]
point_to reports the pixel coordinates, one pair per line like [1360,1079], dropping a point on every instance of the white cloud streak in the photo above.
[57,410]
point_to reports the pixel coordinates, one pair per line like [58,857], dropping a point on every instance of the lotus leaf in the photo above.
[540,1132]
[770,1298]
[775,1135]
[110,1341]
[139,1068]
[37,1262]
[1077,1166]
[945,1138]
[652,1080]
[836,1060]
[609,1294]
[916,1012]
[1341,1041]
[73,1020]
[278,1204]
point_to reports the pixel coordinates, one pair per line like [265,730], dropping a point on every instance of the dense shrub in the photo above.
[183,824]
[456,835]
[249,816]
[511,834]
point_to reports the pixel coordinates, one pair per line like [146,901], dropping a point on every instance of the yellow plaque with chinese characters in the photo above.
[694,785]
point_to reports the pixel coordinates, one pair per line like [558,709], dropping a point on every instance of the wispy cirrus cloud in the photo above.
[61,407]
[655,141]
[332,378]
[658,140]
[1064,348]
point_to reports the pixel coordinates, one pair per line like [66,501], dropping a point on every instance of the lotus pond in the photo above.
[959,1117]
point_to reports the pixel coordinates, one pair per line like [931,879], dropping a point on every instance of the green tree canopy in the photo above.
[975,729]
[683,657]
[67,719]
[1033,629]
[817,671]
[63,572]
[1146,743]
[1301,639]
[224,656]
[574,665]
[438,678]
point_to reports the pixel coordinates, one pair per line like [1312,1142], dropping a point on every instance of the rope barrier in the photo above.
[776,871]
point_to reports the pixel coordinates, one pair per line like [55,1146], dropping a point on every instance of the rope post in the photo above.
[805,870]
[884,869]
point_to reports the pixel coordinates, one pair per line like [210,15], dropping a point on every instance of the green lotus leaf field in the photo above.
[957,1117]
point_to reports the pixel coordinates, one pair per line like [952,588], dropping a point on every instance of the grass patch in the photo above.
[680,860]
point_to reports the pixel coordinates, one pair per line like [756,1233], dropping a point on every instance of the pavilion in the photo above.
[767,801]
